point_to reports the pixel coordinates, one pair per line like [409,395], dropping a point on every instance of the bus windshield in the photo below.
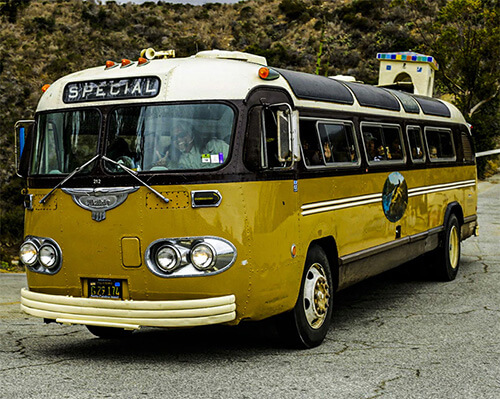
[169,137]
[65,140]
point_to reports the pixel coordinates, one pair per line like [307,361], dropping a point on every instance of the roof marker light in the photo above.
[126,63]
[110,64]
[142,61]
[45,88]
[268,73]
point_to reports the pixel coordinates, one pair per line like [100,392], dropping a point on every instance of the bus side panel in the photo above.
[273,227]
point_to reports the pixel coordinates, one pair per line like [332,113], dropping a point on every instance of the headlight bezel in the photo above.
[39,243]
[224,256]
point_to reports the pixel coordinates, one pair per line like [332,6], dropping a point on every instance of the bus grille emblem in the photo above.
[99,200]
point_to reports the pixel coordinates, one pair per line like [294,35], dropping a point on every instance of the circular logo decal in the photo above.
[395,197]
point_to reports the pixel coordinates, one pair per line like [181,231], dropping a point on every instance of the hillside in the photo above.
[41,41]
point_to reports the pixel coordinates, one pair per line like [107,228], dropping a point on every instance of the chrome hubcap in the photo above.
[316,296]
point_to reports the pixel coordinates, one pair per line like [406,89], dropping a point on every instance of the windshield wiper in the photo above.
[78,169]
[134,174]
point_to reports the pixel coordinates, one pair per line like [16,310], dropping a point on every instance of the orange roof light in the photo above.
[268,73]
[126,62]
[110,64]
[45,87]
[263,72]
[142,61]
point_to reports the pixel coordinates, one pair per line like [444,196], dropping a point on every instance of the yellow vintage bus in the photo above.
[180,192]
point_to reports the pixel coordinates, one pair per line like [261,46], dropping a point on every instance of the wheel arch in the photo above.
[329,246]
[456,209]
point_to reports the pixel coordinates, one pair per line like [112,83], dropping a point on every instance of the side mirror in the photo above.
[288,137]
[23,131]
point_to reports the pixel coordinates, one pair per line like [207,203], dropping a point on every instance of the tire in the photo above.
[446,258]
[109,332]
[307,324]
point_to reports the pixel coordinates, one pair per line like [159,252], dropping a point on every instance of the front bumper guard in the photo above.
[129,314]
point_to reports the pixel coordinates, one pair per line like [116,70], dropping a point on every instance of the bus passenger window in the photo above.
[382,143]
[309,139]
[440,144]
[416,143]
[337,142]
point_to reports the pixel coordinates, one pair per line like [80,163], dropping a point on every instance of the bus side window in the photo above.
[416,143]
[467,148]
[311,150]
[337,142]
[440,144]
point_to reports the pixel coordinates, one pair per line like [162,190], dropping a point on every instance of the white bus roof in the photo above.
[223,75]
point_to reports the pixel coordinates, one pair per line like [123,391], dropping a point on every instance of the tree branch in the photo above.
[482,102]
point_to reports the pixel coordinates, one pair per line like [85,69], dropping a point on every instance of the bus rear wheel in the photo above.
[446,258]
[109,332]
[306,325]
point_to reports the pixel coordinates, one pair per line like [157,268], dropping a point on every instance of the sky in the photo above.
[194,2]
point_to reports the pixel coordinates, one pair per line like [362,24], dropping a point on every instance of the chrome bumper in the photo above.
[129,314]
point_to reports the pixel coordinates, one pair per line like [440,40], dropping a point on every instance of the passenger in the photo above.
[194,157]
[433,152]
[327,150]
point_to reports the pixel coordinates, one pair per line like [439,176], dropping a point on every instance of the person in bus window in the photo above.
[194,156]
[433,152]
[373,151]
[327,150]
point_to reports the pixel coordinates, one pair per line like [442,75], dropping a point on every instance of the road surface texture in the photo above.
[398,335]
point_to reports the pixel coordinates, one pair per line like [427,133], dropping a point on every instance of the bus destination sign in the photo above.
[111,89]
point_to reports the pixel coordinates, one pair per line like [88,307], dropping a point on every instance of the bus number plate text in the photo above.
[105,288]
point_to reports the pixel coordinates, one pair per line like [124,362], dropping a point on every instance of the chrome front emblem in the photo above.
[99,200]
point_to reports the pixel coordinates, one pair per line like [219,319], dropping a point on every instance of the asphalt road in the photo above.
[397,335]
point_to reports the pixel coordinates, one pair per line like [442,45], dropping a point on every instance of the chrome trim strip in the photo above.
[332,205]
[342,206]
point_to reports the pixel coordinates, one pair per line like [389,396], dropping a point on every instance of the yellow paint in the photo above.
[261,219]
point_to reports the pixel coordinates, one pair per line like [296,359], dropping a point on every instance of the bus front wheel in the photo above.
[109,332]
[306,325]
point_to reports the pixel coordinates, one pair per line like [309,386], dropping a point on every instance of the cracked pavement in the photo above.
[398,335]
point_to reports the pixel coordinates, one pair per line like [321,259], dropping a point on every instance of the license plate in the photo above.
[105,288]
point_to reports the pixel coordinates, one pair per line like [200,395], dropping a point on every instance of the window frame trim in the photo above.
[441,159]
[384,162]
[333,165]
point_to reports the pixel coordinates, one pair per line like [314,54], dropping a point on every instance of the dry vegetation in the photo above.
[41,41]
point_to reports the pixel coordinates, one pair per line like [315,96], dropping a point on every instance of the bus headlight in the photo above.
[168,258]
[48,256]
[28,254]
[189,256]
[41,255]
[202,256]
